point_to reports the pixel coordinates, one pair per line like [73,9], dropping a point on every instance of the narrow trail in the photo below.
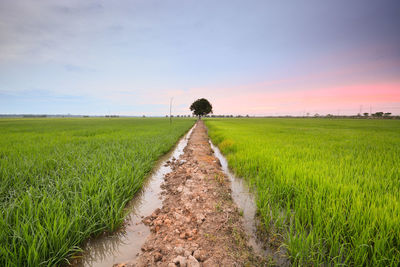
[198,224]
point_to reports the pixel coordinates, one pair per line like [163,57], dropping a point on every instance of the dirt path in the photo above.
[199,224]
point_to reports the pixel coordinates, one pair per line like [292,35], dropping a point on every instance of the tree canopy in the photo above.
[201,107]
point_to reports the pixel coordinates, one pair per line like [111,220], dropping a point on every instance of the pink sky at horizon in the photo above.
[262,99]
[337,99]
[341,99]
[265,58]
[280,97]
[327,91]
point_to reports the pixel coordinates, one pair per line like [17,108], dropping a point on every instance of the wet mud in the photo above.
[196,214]
[125,243]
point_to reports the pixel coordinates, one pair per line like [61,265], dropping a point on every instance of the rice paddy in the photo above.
[330,189]
[64,180]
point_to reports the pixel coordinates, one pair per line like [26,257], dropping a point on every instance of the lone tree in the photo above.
[201,107]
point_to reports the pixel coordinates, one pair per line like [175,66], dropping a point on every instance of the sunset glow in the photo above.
[262,58]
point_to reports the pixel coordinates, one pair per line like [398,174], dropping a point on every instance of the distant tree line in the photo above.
[179,116]
[380,114]
[33,116]
[377,115]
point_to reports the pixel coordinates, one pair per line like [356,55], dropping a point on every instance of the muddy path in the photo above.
[198,224]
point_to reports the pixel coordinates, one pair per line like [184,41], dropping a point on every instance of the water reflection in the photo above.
[124,244]
[245,200]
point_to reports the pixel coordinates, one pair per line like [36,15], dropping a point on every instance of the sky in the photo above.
[263,58]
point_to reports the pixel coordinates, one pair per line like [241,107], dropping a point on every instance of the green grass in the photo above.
[63,180]
[330,187]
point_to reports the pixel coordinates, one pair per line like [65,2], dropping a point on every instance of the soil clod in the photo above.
[198,224]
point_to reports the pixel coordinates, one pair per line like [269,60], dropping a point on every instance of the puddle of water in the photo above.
[124,244]
[244,198]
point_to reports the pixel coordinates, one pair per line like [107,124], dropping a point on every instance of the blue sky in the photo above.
[246,57]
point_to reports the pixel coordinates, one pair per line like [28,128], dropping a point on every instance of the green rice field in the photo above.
[329,188]
[63,180]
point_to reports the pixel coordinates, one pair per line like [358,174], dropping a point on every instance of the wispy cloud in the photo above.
[259,58]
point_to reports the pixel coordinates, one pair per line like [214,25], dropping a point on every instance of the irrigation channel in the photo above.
[244,198]
[125,244]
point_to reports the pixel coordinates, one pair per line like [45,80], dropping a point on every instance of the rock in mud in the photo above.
[179,251]
[194,226]
[192,262]
[157,256]
[187,253]
[181,261]
[199,255]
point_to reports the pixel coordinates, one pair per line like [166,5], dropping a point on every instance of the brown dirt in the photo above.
[198,224]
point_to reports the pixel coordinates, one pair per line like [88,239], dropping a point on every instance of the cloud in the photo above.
[134,56]
[49,30]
